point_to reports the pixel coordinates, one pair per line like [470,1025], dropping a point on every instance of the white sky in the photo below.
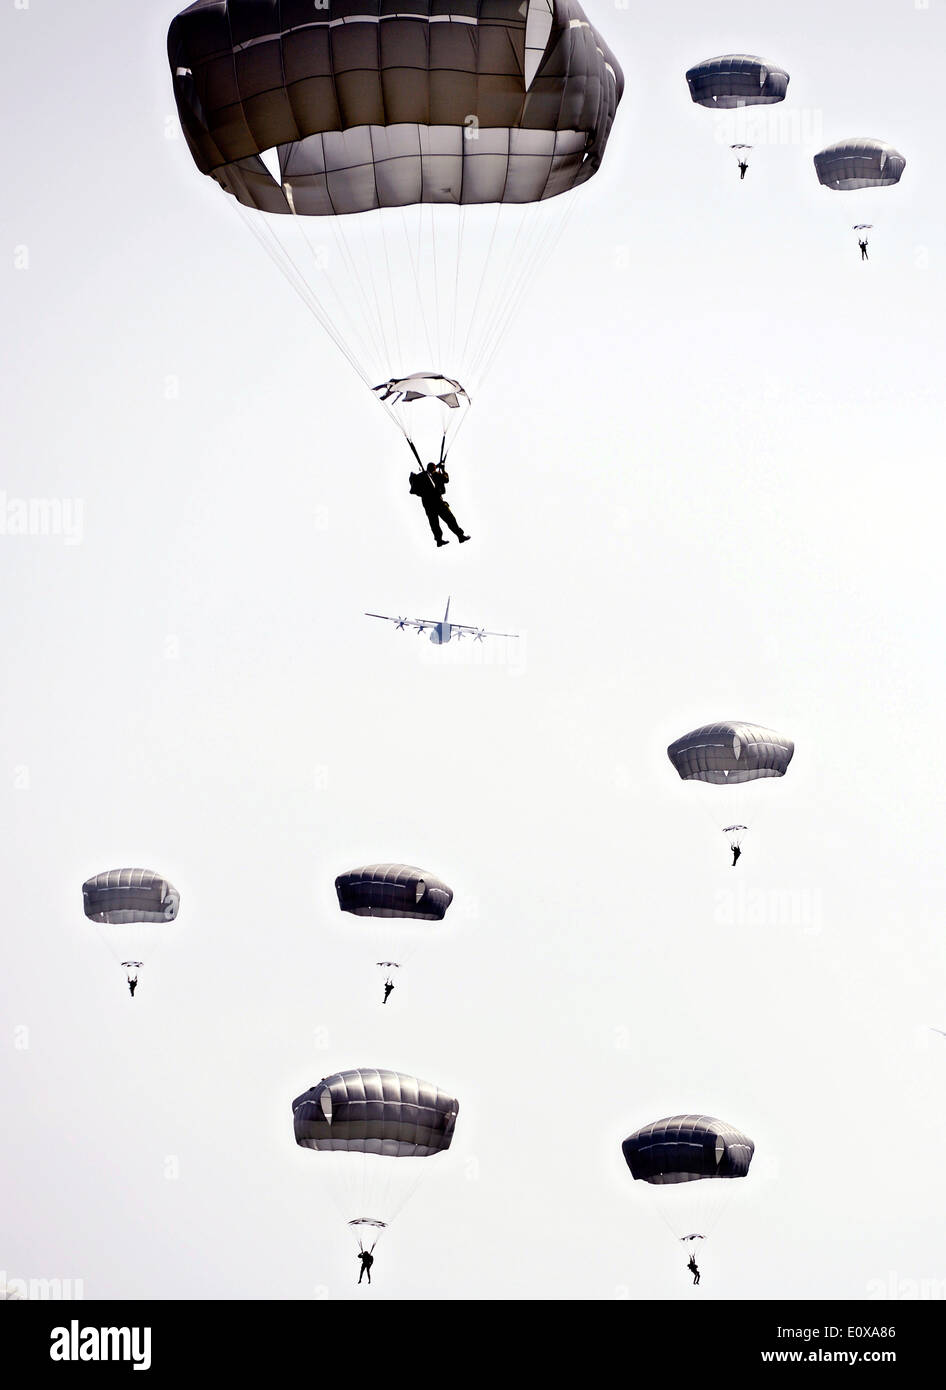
[703,482]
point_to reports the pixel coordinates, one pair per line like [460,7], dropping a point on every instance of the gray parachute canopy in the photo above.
[376,1112]
[736,79]
[731,752]
[392,890]
[685,1148]
[121,896]
[859,163]
[371,103]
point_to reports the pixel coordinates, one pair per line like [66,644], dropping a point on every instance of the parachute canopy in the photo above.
[685,1148]
[731,752]
[859,163]
[122,896]
[736,79]
[422,386]
[393,890]
[375,1112]
[373,105]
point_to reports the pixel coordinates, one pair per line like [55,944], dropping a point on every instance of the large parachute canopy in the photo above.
[369,1111]
[687,1148]
[371,129]
[122,896]
[133,904]
[369,104]
[736,79]
[371,1126]
[731,752]
[393,890]
[859,163]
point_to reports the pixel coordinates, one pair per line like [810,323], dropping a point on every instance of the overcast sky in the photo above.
[703,482]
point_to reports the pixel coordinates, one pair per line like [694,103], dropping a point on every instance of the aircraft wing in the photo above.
[478,633]
[421,624]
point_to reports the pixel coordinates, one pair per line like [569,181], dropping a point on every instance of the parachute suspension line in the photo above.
[461,228]
[373,324]
[281,258]
[323,271]
[341,1194]
[517,295]
[479,308]
[479,289]
[710,807]
[715,1209]
[437,314]
[417,289]
[344,250]
[395,1207]
[395,316]
[374,290]
[704,1211]
[506,290]
[369,1187]
[539,260]
[666,1221]
[389,1184]
[391,367]
[369,328]
[381,1189]
[310,295]
[513,287]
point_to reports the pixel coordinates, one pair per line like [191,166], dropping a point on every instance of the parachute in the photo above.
[736,79]
[687,1148]
[393,891]
[133,904]
[377,151]
[730,754]
[372,1127]
[731,82]
[859,163]
[680,1158]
